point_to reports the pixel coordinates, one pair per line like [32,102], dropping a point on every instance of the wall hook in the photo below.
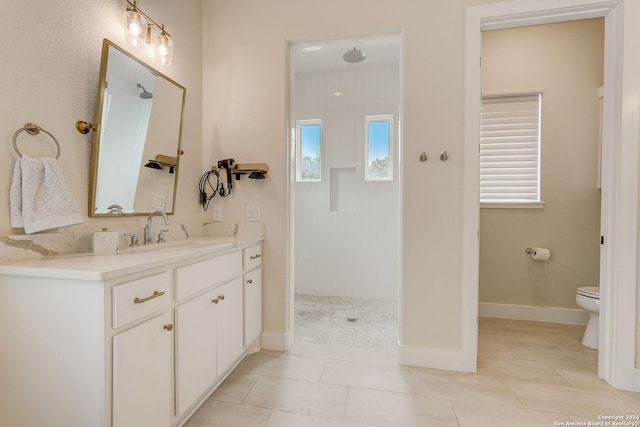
[423,157]
[444,156]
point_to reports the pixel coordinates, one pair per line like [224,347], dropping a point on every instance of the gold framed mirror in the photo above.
[136,149]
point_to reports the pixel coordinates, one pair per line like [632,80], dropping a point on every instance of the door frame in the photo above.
[619,204]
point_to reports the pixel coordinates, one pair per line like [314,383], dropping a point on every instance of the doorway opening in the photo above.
[539,183]
[345,191]
[619,178]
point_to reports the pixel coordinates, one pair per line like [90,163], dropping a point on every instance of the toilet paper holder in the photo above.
[538,254]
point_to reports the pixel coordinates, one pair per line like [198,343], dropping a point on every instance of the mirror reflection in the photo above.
[136,151]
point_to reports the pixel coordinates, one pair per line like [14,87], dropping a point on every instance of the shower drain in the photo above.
[352,319]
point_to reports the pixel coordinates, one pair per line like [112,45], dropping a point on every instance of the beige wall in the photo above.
[565,61]
[49,75]
[245,116]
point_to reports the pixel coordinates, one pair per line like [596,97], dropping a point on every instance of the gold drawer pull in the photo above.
[215,300]
[156,294]
[256,256]
[221,297]
[168,326]
[250,281]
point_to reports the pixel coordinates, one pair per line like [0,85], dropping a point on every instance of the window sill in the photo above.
[513,205]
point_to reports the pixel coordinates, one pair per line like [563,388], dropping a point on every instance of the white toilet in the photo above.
[588,297]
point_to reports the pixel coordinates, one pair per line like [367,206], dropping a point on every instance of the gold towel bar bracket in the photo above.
[84,127]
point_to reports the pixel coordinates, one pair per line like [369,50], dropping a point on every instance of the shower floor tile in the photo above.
[347,322]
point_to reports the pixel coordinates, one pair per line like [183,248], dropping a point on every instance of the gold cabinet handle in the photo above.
[250,281]
[168,327]
[256,256]
[221,297]
[215,300]
[155,294]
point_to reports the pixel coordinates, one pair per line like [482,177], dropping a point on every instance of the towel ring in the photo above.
[33,129]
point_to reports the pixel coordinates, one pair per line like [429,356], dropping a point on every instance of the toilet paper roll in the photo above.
[540,254]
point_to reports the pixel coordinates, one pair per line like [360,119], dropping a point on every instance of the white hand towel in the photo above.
[39,197]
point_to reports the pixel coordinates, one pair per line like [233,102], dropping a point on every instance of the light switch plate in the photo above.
[159,201]
[217,213]
[253,213]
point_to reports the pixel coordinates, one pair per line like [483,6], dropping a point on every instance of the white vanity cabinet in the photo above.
[230,324]
[208,326]
[196,343]
[119,340]
[252,294]
[141,365]
[142,374]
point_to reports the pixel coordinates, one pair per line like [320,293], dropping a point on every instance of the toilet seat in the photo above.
[590,292]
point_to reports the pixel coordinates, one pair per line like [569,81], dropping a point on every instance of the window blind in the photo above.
[510,149]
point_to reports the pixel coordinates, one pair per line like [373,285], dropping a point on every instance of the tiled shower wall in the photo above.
[346,228]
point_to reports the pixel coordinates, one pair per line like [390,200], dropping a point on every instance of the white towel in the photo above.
[39,197]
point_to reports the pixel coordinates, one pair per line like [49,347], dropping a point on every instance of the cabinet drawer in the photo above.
[252,257]
[196,277]
[135,299]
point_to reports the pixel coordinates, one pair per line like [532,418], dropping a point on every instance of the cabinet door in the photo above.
[142,374]
[252,305]
[230,324]
[195,348]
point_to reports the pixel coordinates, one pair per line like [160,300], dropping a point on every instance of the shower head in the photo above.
[354,56]
[144,94]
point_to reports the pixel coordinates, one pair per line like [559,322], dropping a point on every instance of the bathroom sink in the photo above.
[172,245]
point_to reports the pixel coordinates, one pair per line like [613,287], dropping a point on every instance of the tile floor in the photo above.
[529,374]
[350,322]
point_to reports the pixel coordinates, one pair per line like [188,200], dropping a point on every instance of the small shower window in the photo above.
[378,148]
[308,150]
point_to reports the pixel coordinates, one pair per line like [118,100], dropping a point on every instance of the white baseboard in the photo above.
[636,380]
[568,316]
[437,358]
[275,341]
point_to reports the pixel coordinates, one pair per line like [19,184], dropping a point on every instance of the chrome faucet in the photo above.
[147,228]
[115,209]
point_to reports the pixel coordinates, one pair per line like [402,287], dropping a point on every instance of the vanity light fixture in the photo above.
[164,48]
[137,26]
[138,33]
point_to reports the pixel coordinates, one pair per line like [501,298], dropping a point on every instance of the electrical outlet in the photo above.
[253,213]
[217,213]
[159,201]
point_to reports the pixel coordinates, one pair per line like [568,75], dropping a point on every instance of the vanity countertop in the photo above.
[106,266]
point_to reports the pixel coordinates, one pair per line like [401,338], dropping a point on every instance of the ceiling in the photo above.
[326,55]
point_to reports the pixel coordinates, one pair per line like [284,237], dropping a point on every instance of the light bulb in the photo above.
[136,26]
[164,49]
